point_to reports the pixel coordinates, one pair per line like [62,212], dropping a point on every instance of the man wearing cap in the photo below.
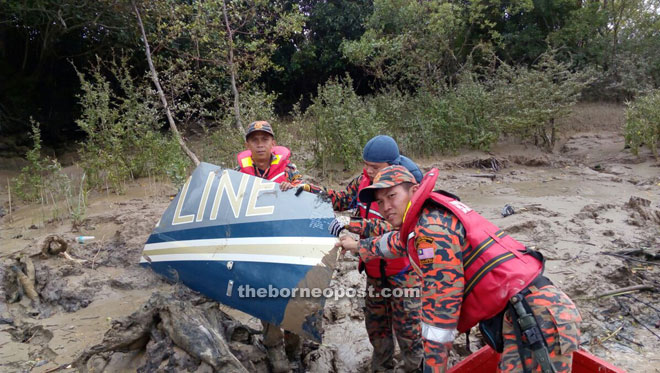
[472,272]
[386,318]
[264,158]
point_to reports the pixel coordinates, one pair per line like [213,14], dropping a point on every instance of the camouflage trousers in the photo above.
[558,320]
[390,317]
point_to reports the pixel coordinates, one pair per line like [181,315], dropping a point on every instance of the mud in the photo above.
[592,209]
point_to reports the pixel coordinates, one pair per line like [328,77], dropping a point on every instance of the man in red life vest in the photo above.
[265,159]
[386,318]
[472,272]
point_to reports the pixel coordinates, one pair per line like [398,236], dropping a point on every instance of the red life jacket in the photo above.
[391,267]
[496,266]
[277,170]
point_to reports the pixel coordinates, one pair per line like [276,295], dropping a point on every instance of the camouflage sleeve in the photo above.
[370,227]
[439,241]
[346,199]
[386,246]
[293,175]
[341,200]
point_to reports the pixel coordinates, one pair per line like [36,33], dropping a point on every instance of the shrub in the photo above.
[643,123]
[532,99]
[339,124]
[29,184]
[121,121]
[42,180]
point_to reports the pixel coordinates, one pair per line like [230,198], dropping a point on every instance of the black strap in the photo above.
[467,341]
[537,255]
[534,341]
[383,275]
[522,351]
[447,194]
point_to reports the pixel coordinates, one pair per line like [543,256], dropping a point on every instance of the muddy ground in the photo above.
[590,198]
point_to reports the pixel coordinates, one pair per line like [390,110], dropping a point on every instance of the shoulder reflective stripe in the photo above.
[276,176]
[384,248]
[276,159]
[246,162]
[371,211]
[440,335]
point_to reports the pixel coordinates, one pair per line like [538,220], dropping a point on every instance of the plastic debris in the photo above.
[83,239]
[507,210]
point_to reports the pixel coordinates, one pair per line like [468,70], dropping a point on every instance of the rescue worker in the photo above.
[265,159]
[472,272]
[386,318]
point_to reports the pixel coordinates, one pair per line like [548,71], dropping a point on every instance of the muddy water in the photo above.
[573,206]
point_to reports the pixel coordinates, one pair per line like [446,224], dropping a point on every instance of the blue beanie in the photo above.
[412,167]
[383,148]
[380,149]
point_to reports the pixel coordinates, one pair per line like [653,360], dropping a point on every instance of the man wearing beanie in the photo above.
[383,315]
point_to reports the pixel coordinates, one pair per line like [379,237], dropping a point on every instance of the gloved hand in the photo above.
[303,187]
[337,225]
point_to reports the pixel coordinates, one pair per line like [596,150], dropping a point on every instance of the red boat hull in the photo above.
[485,360]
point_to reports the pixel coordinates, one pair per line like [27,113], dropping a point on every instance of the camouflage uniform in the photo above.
[558,318]
[347,200]
[384,316]
[440,239]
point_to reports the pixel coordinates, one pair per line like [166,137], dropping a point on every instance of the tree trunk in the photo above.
[553,134]
[154,77]
[232,70]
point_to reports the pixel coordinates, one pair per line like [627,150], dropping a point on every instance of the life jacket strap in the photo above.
[528,333]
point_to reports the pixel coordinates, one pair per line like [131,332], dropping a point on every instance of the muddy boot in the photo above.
[278,359]
[293,349]
[274,343]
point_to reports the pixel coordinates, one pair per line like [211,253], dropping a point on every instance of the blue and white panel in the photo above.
[226,230]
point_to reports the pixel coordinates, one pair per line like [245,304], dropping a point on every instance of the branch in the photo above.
[161,94]
[232,69]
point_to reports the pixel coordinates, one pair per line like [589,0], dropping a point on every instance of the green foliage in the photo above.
[643,123]
[221,144]
[311,58]
[214,50]
[342,124]
[436,122]
[409,43]
[123,130]
[620,39]
[532,99]
[425,123]
[29,185]
[42,180]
